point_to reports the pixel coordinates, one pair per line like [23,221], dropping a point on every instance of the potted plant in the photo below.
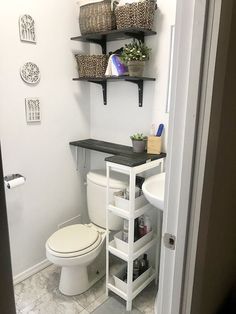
[134,55]
[139,142]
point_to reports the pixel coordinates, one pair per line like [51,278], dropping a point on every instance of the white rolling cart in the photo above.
[128,252]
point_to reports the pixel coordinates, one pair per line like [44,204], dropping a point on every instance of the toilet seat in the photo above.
[74,240]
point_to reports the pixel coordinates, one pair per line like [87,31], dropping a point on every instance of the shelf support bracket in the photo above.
[138,36]
[139,83]
[101,42]
[104,89]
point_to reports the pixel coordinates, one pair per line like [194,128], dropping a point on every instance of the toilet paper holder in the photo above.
[10,178]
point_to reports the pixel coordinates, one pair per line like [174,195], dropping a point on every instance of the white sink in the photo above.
[153,189]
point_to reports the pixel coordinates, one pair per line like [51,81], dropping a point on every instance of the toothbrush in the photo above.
[160,130]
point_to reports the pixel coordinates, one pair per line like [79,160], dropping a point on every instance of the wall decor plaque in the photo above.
[30,73]
[32,110]
[27,28]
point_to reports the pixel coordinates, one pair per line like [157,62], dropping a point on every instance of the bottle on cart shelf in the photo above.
[147,224]
[136,230]
[124,277]
[125,230]
[141,226]
[136,269]
[137,192]
[144,264]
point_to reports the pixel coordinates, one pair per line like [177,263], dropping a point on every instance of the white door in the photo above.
[189,53]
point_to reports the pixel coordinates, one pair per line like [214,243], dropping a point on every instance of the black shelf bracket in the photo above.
[139,83]
[139,36]
[101,42]
[104,89]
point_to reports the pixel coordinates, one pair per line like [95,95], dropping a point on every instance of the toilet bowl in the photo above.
[75,247]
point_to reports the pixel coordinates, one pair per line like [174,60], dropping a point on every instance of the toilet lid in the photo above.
[72,239]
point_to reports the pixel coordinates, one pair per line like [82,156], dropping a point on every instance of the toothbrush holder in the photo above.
[154,144]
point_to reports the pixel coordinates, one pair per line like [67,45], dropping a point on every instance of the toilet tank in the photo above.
[96,197]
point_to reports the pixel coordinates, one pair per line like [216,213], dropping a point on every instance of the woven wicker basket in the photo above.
[92,66]
[96,17]
[136,15]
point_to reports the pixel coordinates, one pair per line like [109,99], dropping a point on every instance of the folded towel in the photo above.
[115,67]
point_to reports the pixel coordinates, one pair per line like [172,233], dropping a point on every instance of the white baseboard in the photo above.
[31,271]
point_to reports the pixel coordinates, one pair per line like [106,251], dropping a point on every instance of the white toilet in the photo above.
[76,247]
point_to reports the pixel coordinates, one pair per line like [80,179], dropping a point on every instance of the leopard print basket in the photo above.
[136,15]
[92,66]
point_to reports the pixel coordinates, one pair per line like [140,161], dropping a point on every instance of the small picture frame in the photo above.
[27,28]
[32,110]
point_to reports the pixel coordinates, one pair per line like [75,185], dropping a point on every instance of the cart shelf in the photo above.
[127,214]
[126,257]
[124,295]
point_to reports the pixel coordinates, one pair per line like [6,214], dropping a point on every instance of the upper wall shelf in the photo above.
[102,37]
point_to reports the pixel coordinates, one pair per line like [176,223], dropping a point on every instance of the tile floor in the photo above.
[39,294]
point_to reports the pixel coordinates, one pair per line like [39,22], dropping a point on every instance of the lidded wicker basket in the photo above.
[96,17]
[92,66]
[136,15]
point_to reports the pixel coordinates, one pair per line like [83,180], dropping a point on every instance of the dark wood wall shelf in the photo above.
[122,154]
[103,82]
[101,39]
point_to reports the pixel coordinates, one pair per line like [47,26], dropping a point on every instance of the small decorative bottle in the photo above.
[125,230]
[147,224]
[136,269]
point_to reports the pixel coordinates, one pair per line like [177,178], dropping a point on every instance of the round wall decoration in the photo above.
[30,73]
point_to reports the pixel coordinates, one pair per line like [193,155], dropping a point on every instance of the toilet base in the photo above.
[75,280]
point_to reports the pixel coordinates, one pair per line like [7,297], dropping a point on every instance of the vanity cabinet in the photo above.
[101,39]
[129,251]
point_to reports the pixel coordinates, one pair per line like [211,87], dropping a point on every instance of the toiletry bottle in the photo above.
[147,224]
[136,269]
[146,261]
[137,192]
[125,230]
[144,264]
[136,230]
[124,277]
[141,226]
[152,130]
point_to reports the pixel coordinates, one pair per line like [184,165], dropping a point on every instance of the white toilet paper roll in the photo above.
[15,182]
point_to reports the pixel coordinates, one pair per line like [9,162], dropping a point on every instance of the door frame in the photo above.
[7,304]
[206,147]
[189,47]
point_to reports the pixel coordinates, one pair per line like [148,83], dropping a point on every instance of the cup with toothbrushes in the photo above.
[154,143]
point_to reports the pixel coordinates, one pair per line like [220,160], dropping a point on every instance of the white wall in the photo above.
[53,191]
[122,117]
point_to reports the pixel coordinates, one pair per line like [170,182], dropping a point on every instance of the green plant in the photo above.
[135,51]
[138,137]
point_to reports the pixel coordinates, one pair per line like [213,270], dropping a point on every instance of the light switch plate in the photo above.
[32,110]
